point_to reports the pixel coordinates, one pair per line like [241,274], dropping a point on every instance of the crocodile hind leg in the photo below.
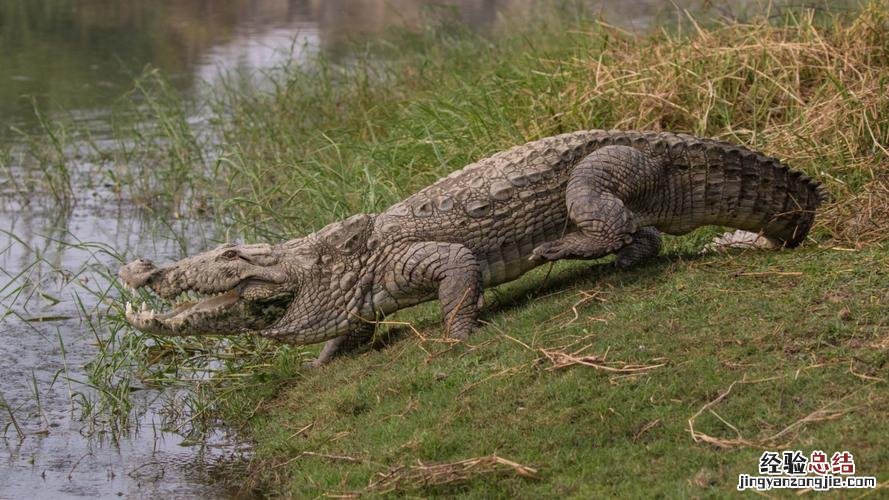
[646,244]
[593,196]
[344,344]
[452,270]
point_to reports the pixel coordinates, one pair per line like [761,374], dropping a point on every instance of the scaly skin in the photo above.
[581,195]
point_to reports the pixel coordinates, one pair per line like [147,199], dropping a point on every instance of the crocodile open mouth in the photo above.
[185,307]
[236,310]
[188,309]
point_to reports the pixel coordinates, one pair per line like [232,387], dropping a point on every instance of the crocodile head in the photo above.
[231,289]
[302,291]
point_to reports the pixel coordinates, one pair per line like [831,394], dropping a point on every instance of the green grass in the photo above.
[819,338]
[805,331]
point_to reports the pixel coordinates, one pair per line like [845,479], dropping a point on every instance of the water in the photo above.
[75,58]
[60,453]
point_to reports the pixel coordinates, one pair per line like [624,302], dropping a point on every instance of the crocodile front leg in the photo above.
[450,269]
[343,344]
[595,195]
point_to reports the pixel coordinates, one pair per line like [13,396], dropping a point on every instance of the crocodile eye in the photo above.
[230,254]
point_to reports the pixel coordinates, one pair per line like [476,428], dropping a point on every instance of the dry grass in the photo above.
[413,477]
[862,217]
[780,439]
[561,359]
[813,96]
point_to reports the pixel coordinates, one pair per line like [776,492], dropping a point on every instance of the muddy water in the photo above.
[60,452]
[76,57]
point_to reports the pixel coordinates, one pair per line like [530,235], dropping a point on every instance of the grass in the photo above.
[679,372]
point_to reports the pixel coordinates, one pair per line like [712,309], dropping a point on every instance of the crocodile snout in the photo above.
[137,273]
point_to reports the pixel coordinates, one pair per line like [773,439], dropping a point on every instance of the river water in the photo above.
[74,58]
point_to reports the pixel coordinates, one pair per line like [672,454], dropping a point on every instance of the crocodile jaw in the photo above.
[186,318]
[231,289]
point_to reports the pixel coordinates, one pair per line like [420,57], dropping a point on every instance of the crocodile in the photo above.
[579,195]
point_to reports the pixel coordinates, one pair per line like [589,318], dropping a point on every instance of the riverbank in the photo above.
[669,378]
[680,371]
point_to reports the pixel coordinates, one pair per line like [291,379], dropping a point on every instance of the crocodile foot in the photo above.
[577,246]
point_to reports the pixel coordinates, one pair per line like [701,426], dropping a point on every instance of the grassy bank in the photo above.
[671,377]
[799,354]
[681,371]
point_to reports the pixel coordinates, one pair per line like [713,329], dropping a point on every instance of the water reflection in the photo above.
[82,54]
[76,54]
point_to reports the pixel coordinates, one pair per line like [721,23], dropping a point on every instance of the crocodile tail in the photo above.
[724,184]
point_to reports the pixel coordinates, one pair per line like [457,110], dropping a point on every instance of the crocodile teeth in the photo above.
[144,306]
[129,308]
